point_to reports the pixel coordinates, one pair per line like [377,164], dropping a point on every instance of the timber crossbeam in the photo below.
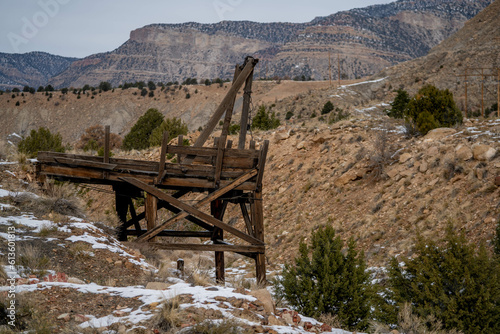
[197,189]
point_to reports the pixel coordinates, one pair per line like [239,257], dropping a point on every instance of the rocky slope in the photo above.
[367,40]
[33,69]
[475,46]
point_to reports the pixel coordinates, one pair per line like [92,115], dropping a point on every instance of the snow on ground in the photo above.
[362,83]
[203,297]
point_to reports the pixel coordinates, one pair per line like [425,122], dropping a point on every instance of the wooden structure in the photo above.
[220,175]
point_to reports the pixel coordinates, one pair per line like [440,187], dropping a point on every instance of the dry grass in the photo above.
[226,326]
[30,317]
[32,260]
[169,316]
[410,323]
[60,199]
[81,250]
[331,320]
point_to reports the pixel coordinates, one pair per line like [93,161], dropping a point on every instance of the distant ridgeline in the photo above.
[363,41]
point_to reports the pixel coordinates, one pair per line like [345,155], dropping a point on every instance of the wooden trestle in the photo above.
[221,175]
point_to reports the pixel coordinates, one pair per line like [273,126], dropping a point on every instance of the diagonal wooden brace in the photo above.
[193,210]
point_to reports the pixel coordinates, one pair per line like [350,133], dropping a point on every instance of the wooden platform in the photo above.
[219,175]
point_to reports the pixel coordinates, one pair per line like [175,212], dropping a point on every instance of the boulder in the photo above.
[463,153]
[433,151]
[439,133]
[281,136]
[157,286]
[301,145]
[265,298]
[322,137]
[424,166]
[483,152]
[404,157]
[75,280]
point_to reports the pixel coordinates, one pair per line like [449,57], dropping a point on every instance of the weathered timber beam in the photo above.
[191,210]
[173,233]
[235,87]
[212,196]
[85,163]
[211,248]
[247,91]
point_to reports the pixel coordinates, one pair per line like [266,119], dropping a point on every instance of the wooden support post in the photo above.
[180,142]
[151,208]
[106,144]
[121,204]
[250,64]
[217,209]
[216,194]
[163,153]
[247,92]
[258,224]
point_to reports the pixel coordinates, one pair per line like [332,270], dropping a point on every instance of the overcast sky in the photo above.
[78,28]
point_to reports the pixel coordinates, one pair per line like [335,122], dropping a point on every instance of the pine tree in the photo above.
[398,106]
[456,283]
[174,126]
[41,140]
[138,137]
[327,108]
[324,280]
[264,120]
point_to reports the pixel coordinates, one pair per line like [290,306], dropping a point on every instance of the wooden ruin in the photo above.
[221,175]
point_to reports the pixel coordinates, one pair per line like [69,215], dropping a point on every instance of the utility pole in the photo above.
[498,92]
[330,68]
[338,65]
[466,93]
[474,72]
[482,92]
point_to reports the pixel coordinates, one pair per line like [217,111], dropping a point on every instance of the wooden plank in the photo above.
[262,164]
[190,150]
[180,142]
[192,219]
[218,162]
[151,208]
[84,163]
[211,248]
[106,144]
[191,210]
[252,144]
[218,209]
[163,153]
[214,195]
[258,223]
[177,234]
[246,218]
[247,91]
[250,64]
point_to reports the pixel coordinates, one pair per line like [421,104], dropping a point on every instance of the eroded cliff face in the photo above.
[366,40]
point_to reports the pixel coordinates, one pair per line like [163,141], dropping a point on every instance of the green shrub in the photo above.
[327,108]
[338,115]
[40,140]
[234,129]
[327,280]
[399,105]
[138,137]
[265,120]
[456,283]
[430,108]
[436,102]
[288,115]
[174,126]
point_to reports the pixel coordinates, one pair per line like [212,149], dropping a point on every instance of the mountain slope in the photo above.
[368,40]
[475,46]
[32,69]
